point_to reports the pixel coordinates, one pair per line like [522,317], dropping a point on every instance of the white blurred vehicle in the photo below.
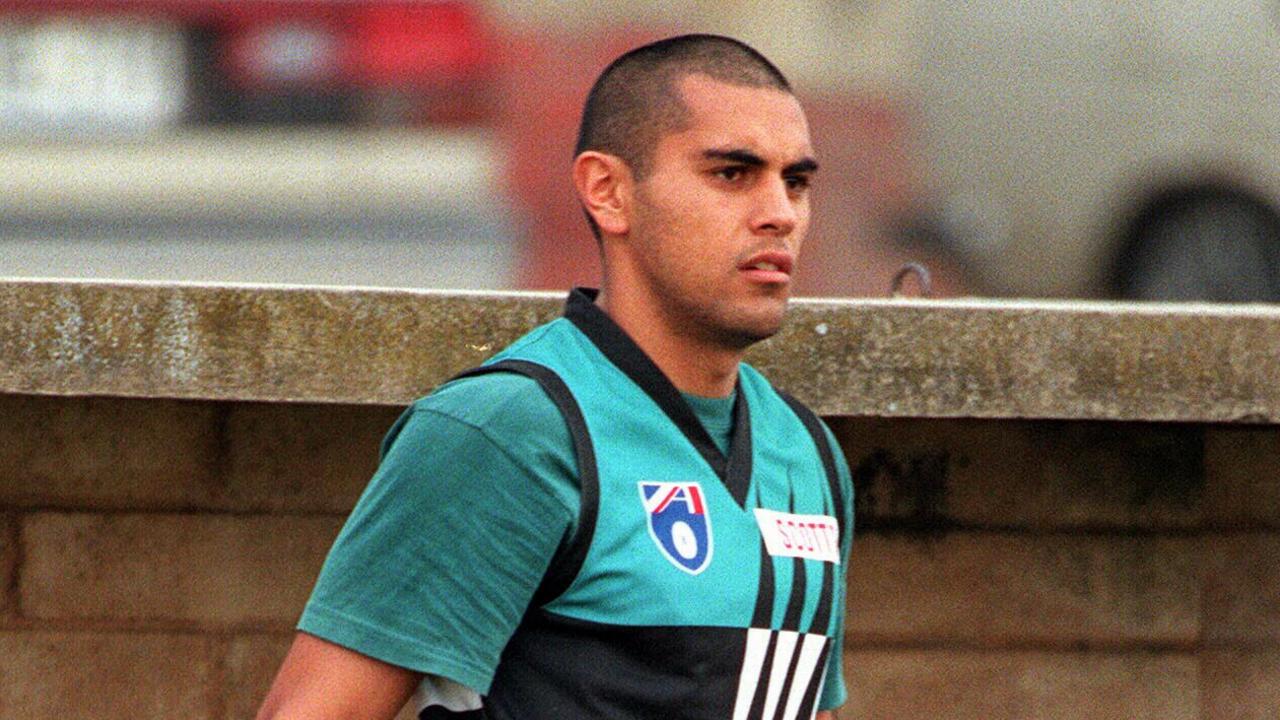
[1105,149]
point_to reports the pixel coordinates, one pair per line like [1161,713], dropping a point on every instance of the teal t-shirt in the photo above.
[476,491]
[716,415]
[437,563]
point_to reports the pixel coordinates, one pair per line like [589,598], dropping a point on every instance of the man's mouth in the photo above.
[771,266]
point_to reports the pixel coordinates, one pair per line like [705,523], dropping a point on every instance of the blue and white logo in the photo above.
[679,523]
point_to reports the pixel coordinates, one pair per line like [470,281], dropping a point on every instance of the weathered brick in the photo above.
[224,570]
[1240,466]
[995,588]
[8,564]
[301,458]
[961,685]
[1240,685]
[1241,587]
[1041,474]
[106,452]
[128,454]
[121,453]
[252,663]
[107,676]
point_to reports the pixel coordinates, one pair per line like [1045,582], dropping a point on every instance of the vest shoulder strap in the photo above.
[814,426]
[568,560]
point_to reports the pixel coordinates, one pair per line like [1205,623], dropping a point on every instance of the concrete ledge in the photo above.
[888,358]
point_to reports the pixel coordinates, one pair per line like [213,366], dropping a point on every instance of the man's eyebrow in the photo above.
[806,165]
[742,157]
[750,159]
[746,157]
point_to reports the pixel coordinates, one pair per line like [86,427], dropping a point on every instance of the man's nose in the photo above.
[777,212]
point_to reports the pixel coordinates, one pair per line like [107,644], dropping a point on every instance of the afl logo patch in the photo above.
[676,513]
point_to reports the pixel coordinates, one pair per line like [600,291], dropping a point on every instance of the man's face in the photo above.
[720,217]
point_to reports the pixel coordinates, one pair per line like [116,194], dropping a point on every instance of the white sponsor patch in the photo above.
[815,537]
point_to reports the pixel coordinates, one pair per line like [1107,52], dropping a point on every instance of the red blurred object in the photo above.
[358,43]
[391,44]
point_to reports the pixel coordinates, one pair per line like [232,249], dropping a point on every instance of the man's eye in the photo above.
[797,182]
[731,174]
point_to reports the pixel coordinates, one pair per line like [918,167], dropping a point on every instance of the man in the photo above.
[614,517]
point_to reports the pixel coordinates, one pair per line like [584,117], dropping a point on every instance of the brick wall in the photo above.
[155,555]
[1014,569]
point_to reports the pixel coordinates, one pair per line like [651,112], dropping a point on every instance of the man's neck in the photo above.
[694,365]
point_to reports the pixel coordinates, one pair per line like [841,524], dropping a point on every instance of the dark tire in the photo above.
[1201,243]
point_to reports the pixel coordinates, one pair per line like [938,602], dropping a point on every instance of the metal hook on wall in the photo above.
[923,280]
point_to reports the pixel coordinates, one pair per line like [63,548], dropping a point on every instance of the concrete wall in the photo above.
[156,554]
[1048,569]
[156,551]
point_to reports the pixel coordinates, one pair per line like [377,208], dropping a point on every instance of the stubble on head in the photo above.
[702,194]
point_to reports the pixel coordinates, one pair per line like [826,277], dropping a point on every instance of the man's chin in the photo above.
[746,334]
[738,326]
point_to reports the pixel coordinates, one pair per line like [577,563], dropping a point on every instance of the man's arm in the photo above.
[419,554]
[321,681]
[825,715]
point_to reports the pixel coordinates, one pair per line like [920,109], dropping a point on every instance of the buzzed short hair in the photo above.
[636,100]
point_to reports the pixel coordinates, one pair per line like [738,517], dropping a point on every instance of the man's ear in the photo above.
[604,182]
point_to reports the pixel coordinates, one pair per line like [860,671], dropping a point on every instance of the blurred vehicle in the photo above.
[1104,149]
[95,65]
[338,142]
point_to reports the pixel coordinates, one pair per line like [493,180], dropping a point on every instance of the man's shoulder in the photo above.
[497,402]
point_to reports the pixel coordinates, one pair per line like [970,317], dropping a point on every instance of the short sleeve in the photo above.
[833,689]
[433,570]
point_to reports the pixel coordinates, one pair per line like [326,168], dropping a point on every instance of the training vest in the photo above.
[696,586]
